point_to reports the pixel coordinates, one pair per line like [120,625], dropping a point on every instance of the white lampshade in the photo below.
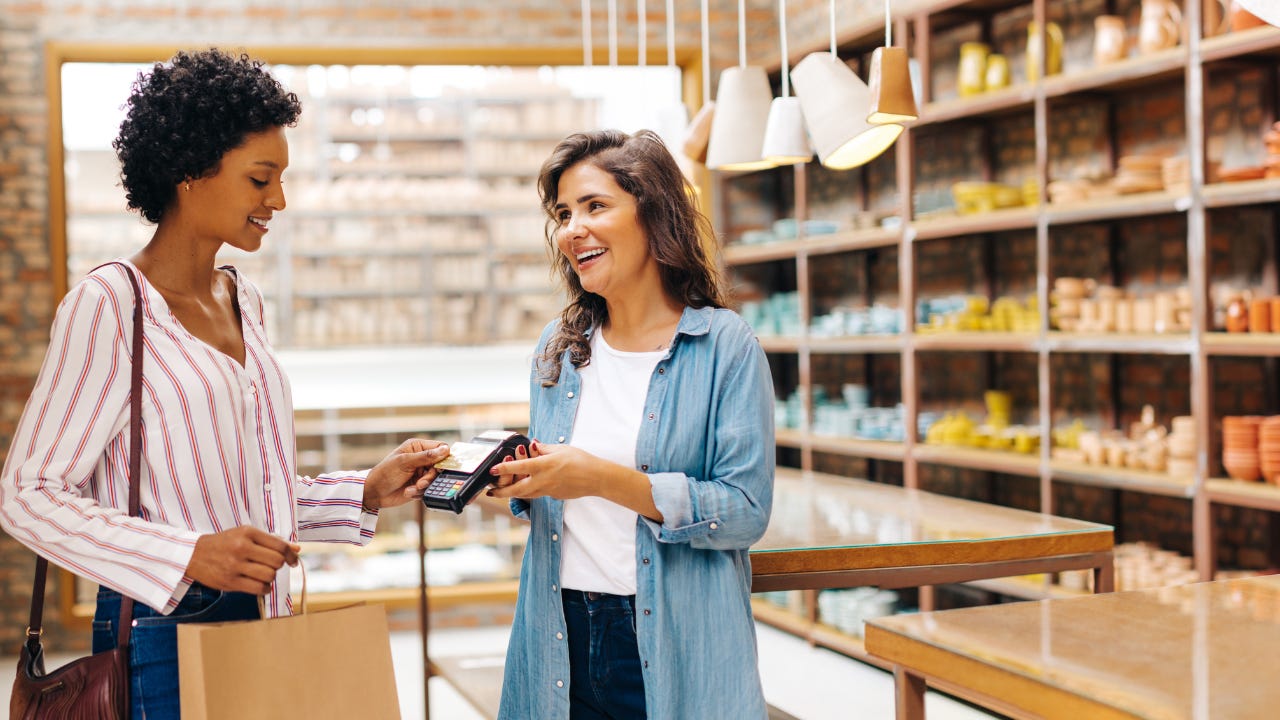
[785,141]
[836,103]
[1266,10]
[742,111]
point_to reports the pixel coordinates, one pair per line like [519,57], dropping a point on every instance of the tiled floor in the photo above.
[809,683]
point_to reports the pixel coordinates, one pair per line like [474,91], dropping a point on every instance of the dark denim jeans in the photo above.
[153,642]
[605,677]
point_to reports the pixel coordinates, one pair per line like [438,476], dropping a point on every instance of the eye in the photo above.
[595,205]
[258,183]
[563,216]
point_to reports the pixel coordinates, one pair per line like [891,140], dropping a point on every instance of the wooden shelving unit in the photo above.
[1031,108]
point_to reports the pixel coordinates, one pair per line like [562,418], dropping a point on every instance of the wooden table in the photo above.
[1206,651]
[833,532]
[828,531]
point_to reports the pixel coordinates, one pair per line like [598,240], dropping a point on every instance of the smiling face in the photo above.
[599,232]
[235,205]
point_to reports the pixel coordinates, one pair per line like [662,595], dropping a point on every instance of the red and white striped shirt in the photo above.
[217,448]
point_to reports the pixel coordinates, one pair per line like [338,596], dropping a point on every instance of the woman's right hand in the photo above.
[242,559]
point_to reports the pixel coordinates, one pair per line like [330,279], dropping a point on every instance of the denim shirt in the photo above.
[706,443]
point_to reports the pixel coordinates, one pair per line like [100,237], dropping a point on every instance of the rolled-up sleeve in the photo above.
[729,509]
[330,509]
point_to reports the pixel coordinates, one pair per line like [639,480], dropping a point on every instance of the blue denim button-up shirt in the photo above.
[706,442]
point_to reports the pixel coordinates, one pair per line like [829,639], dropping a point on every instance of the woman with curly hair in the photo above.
[653,469]
[202,150]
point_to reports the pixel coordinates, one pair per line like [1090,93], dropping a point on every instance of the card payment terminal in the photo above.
[465,471]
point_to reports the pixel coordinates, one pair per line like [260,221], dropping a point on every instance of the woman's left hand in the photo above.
[404,474]
[559,471]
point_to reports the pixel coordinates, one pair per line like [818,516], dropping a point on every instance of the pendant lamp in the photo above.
[698,134]
[742,102]
[1266,10]
[673,116]
[587,51]
[785,141]
[836,103]
[892,98]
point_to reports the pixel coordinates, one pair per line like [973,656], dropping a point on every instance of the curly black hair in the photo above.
[186,114]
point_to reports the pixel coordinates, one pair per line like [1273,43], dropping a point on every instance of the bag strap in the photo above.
[135,478]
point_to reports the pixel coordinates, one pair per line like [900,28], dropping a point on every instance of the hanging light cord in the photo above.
[782,32]
[888,26]
[742,32]
[671,33]
[586,33]
[706,53]
[613,33]
[832,6]
[642,31]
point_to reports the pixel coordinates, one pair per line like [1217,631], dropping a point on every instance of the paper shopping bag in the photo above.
[332,664]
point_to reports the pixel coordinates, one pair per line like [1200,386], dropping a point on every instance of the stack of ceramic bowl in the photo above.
[1272,141]
[1139,173]
[1068,295]
[1240,447]
[1182,447]
[1175,173]
[1269,449]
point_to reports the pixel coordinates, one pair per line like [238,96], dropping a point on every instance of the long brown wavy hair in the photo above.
[680,237]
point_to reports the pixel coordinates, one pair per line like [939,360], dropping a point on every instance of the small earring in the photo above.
[187,187]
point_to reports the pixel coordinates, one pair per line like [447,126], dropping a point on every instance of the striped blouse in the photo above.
[217,445]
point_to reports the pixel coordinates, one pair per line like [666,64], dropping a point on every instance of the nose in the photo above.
[573,228]
[275,199]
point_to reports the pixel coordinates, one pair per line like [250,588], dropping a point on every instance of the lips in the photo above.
[586,258]
[260,223]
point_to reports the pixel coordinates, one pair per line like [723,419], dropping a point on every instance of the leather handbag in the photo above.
[94,687]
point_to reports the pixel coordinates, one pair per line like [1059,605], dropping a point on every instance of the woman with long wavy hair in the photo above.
[652,469]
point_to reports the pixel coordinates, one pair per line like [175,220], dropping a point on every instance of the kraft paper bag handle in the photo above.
[302,597]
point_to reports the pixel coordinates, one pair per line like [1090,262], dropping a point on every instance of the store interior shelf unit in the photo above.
[894,223]
[412,219]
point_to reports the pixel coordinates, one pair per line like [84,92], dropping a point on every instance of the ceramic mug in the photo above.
[973,68]
[1053,58]
[1109,41]
[1160,25]
[997,75]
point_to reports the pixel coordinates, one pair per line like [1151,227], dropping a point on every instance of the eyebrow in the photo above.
[268,163]
[584,198]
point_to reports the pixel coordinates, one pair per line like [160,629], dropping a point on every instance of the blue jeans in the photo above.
[605,678]
[153,642]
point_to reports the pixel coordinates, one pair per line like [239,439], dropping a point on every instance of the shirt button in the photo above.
[651,416]
[554,588]
[559,636]
[646,611]
[569,394]
[645,468]
[646,663]
[714,526]
[662,371]
[560,439]
[554,537]
[645,561]
[559,683]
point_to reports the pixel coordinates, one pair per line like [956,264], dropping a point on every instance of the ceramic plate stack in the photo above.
[1269,450]
[1175,173]
[1272,141]
[1240,447]
[1138,174]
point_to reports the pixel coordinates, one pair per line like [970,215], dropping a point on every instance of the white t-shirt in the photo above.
[599,535]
